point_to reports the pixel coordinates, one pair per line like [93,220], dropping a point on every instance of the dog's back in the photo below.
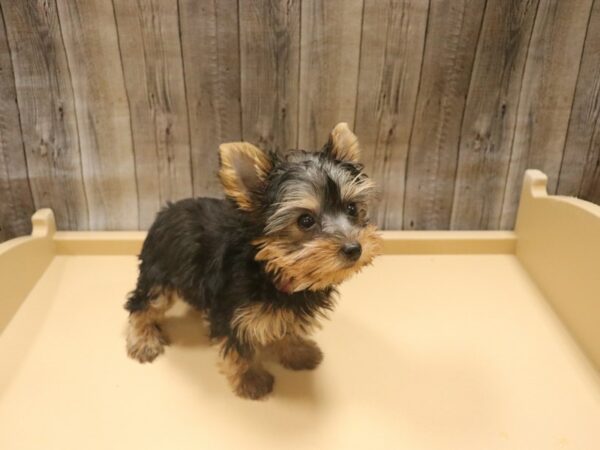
[185,245]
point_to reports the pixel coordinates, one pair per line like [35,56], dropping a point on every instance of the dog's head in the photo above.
[313,208]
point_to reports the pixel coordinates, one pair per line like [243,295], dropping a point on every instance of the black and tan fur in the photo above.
[262,265]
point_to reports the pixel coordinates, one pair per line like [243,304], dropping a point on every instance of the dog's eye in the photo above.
[306,221]
[351,209]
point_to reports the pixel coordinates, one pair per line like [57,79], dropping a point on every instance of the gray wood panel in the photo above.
[546,96]
[153,67]
[590,181]
[112,107]
[210,42]
[490,113]
[16,202]
[47,110]
[330,46]
[580,168]
[451,40]
[390,66]
[270,58]
[103,121]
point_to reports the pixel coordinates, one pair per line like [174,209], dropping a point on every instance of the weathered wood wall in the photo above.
[110,108]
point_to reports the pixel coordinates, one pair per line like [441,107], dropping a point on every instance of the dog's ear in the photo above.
[243,169]
[342,144]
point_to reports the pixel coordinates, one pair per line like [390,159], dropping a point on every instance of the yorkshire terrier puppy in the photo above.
[262,265]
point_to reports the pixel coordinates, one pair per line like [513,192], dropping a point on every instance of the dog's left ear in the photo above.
[342,144]
[243,171]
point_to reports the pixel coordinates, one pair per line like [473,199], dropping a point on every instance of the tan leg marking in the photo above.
[145,341]
[247,377]
[296,353]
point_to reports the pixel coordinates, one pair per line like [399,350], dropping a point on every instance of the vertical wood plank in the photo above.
[103,121]
[579,172]
[546,96]
[210,42]
[153,67]
[450,45]
[47,110]
[16,202]
[590,181]
[329,57]
[269,63]
[390,65]
[490,113]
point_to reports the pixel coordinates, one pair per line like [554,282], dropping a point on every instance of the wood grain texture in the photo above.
[390,65]
[153,68]
[210,42]
[580,168]
[329,57]
[451,40]
[47,110]
[103,121]
[546,96]
[270,58]
[122,104]
[16,202]
[490,113]
[590,182]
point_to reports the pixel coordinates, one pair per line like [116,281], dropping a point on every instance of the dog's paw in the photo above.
[146,347]
[305,355]
[254,384]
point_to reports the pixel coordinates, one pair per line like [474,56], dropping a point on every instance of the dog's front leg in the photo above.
[245,373]
[297,353]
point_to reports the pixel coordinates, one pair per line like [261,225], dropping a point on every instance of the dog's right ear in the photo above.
[243,171]
[342,144]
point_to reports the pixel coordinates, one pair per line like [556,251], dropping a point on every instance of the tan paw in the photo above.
[254,384]
[147,346]
[302,355]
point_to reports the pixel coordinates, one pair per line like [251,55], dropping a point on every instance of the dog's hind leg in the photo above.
[145,340]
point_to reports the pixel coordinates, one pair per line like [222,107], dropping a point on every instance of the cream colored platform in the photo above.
[450,341]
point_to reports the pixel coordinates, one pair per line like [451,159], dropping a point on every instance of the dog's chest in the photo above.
[263,324]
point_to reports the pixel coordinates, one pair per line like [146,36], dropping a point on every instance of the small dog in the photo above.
[262,265]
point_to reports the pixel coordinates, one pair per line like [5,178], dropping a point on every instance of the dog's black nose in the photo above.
[352,251]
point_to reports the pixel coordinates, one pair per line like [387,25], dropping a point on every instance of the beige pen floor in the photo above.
[422,352]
